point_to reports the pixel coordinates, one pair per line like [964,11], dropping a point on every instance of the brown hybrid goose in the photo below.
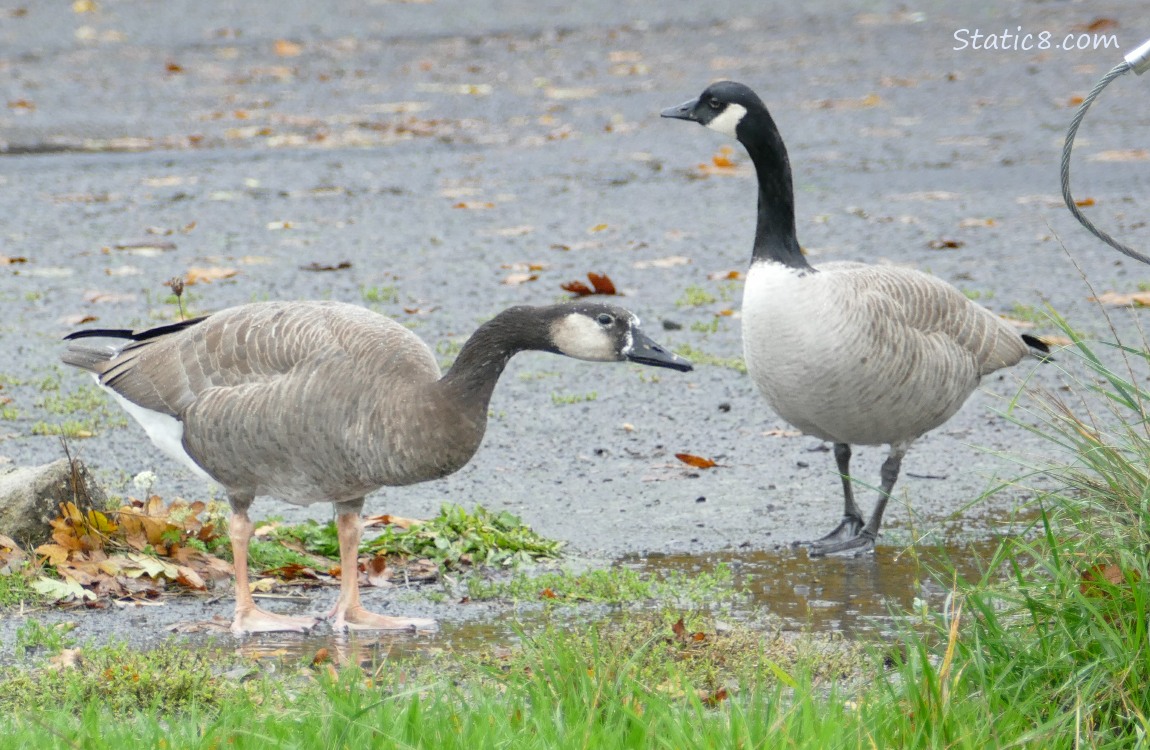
[848,352]
[325,402]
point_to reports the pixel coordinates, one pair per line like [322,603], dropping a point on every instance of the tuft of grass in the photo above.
[33,635]
[452,539]
[380,295]
[700,357]
[616,586]
[695,296]
[121,681]
[563,399]
[16,590]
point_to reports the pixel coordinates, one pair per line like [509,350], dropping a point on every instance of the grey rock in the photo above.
[30,497]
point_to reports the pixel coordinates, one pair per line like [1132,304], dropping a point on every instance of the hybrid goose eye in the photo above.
[605,319]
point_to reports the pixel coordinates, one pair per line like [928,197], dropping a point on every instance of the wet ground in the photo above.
[441,148]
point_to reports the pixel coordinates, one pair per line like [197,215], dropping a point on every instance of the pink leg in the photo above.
[349,613]
[250,618]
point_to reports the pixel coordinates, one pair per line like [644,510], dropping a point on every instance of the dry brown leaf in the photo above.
[602,283]
[1098,24]
[1124,299]
[68,658]
[669,262]
[515,279]
[696,461]
[474,205]
[78,319]
[198,275]
[390,520]
[317,266]
[945,243]
[975,222]
[6,260]
[1127,154]
[285,48]
[376,569]
[725,275]
[548,594]
[597,228]
[1084,202]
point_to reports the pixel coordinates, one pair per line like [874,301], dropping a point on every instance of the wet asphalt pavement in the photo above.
[442,148]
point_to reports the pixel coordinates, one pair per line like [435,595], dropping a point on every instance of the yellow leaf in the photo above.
[54,553]
[197,275]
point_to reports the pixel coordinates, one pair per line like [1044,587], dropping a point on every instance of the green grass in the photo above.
[565,399]
[616,585]
[380,295]
[16,590]
[1056,654]
[452,539]
[695,296]
[700,357]
[87,411]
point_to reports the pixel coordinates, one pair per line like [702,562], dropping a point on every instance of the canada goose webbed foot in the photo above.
[855,546]
[256,620]
[847,529]
[358,618]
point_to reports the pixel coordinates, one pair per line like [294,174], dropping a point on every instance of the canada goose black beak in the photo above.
[685,111]
[644,351]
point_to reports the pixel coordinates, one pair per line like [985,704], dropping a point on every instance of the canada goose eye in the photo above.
[714,103]
[605,320]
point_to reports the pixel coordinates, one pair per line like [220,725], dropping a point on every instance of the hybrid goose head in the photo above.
[604,333]
[722,107]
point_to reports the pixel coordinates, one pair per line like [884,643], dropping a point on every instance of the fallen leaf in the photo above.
[1128,299]
[1074,101]
[145,247]
[725,276]
[1128,154]
[597,228]
[284,48]
[974,222]
[670,261]
[322,656]
[679,629]
[197,275]
[710,700]
[278,225]
[376,569]
[1084,202]
[696,461]
[390,520]
[515,279]
[1098,24]
[474,205]
[553,92]
[68,658]
[945,244]
[602,284]
[316,266]
[548,594]
[517,231]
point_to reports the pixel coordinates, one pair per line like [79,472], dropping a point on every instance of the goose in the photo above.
[311,401]
[851,353]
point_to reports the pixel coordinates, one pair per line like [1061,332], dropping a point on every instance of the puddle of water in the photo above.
[853,595]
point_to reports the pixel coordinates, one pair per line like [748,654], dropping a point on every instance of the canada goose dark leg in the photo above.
[349,613]
[249,618]
[852,521]
[865,539]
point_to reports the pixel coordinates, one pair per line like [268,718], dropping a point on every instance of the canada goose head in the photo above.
[721,107]
[605,333]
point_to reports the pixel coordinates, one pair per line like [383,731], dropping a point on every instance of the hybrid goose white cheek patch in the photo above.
[728,119]
[582,338]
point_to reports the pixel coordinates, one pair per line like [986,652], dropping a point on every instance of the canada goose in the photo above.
[324,401]
[848,352]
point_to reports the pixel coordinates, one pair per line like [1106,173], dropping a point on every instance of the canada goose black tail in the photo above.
[1038,347]
[89,356]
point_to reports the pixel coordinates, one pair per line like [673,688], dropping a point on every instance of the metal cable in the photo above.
[1069,146]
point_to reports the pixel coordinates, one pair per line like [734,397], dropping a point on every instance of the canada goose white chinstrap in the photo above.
[848,352]
[325,402]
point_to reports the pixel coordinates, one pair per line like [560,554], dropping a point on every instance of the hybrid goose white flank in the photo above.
[324,401]
[848,352]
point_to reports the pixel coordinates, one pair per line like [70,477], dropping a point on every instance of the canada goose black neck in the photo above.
[735,110]
[472,378]
[775,237]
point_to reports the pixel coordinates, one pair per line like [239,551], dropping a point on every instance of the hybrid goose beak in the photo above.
[644,351]
[685,111]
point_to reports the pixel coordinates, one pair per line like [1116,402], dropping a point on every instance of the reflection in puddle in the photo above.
[851,596]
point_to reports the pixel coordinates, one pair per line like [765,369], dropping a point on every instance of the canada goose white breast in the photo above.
[855,353]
